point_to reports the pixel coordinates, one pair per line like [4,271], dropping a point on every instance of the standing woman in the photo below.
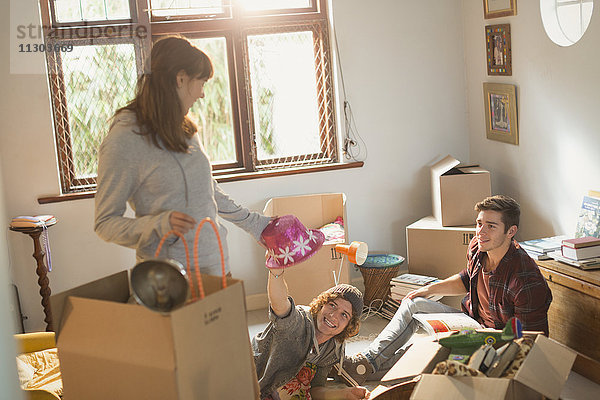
[153,160]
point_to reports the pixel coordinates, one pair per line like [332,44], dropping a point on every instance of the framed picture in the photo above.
[499,8]
[499,57]
[500,101]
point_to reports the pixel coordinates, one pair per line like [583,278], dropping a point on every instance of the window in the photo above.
[565,21]
[269,106]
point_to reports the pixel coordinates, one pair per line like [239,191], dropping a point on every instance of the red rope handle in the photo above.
[216,230]
[187,255]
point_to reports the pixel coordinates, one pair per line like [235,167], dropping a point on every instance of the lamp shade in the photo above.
[356,252]
[160,285]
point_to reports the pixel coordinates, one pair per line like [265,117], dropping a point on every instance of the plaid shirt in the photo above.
[517,289]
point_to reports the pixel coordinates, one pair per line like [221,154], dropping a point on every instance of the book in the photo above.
[537,256]
[543,245]
[389,308]
[482,358]
[590,263]
[487,362]
[578,243]
[581,253]
[588,221]
[413,279]
[446,322]
[504,357]
[35,221]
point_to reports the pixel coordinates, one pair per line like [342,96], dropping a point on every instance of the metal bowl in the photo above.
[160,285]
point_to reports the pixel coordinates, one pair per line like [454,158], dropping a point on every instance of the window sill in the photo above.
[222,177]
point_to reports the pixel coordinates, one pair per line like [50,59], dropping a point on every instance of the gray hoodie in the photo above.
[155,182]
[282,349]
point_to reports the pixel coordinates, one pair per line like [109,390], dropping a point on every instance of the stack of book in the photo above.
[582,252]
[36,221]
[539,249]
[389,308]
[581,248]
[402,285]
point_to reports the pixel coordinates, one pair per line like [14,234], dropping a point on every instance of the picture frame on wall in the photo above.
[499,54]
[500,102]
[499,8]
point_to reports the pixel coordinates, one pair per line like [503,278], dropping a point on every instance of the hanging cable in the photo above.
[353,146]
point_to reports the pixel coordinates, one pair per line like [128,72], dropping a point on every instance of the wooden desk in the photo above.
[574,315]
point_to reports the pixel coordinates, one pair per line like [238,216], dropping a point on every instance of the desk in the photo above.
[574,315]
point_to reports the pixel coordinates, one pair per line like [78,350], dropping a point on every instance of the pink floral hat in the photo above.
[288,242]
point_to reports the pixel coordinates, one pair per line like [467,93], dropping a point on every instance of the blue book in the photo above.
[543,245]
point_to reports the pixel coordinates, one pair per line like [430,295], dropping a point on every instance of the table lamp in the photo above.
[356,252]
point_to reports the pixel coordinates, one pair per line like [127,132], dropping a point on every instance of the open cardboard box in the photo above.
[306,280]
[110,349]
[544,372]
[455,191]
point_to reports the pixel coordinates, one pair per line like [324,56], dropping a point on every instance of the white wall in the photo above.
[404,72]
[557,160]
[8,374]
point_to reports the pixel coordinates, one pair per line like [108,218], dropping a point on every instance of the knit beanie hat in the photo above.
[351,294]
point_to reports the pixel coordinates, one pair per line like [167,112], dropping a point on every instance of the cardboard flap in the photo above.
[473,170]
[421,357]
[124,333]
[448,388]
[443,166]
[551,357]
[437,170]
[313,210]
[114,287]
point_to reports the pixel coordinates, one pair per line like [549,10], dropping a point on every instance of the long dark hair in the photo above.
[156,103]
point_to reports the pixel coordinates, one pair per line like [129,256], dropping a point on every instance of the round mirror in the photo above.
[565,21]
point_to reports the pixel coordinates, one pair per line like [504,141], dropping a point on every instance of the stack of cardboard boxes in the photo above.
[437,245]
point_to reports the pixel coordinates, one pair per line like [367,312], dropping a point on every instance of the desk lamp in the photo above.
[356,252]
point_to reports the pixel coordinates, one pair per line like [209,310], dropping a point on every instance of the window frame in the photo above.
[235,29]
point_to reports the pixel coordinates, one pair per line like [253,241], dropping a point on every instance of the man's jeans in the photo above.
[386,349]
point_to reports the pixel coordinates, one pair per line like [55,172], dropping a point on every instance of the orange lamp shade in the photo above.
[356,252]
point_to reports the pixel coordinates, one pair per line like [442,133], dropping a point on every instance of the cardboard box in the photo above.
[110,349]
[437,250]
[544,372]
[455,191]
[309,278]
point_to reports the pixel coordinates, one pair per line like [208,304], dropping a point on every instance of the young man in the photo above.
[300,345]
[500,281]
